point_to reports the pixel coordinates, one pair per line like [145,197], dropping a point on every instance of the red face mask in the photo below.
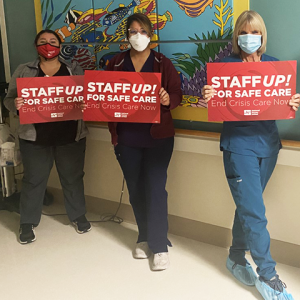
[48,51]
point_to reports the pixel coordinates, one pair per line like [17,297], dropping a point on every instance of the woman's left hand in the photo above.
[164,97]
[83,106]
[295,102]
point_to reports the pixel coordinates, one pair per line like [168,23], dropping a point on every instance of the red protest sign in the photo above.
[50,99]
[122,96]
[251,91]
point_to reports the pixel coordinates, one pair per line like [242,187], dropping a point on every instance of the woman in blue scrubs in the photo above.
[250,150]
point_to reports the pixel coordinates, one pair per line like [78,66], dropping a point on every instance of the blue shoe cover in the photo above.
[246,275]
[269,294]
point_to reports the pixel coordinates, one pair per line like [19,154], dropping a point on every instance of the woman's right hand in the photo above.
[207,92]
[19,102]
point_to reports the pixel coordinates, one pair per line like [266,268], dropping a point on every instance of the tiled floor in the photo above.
[64,265]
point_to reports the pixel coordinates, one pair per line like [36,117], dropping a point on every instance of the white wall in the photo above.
[197,186]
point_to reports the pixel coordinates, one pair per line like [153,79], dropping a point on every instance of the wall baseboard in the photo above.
[282,252]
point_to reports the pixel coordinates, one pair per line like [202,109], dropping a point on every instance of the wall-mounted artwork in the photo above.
[189,32]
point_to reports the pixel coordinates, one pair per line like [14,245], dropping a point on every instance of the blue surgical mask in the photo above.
[249,43]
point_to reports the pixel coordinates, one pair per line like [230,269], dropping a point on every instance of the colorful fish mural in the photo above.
[146,7]
[98,28]
[68,51]
[119,13]
[159,22]
[104,60]
[193,68]
[85,26]
[95,31]
[74,18]
[194,8]
[85,59]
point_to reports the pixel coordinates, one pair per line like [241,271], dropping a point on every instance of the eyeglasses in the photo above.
[134,32]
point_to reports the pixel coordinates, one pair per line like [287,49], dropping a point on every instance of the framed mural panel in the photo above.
[84,55]
[189,32]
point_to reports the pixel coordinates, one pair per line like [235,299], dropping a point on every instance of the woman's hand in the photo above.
[164,97]
[83,106]
[19,102]
[207,92]
[295,101]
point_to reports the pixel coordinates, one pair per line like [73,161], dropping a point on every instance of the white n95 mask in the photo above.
[139,42]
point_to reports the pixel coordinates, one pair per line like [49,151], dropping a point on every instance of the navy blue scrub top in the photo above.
[254,138]
[137,134]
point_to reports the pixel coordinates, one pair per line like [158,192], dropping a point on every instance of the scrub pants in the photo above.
[247,177]
[145,172]
[38,161]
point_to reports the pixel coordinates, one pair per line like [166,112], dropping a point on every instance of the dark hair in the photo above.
[46,31]
[142,19]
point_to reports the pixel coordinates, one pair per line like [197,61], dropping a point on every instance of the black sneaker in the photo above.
[82,225]
[273,289]
[275,283]
[27,234]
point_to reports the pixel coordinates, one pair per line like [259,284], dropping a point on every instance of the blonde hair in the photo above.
[256,22]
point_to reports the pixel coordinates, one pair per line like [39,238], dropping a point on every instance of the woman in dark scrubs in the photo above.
[144,150]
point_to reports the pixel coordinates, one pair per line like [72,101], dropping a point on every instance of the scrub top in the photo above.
[254,138]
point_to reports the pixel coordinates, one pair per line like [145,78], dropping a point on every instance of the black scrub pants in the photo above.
[38,161]
[145,172]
